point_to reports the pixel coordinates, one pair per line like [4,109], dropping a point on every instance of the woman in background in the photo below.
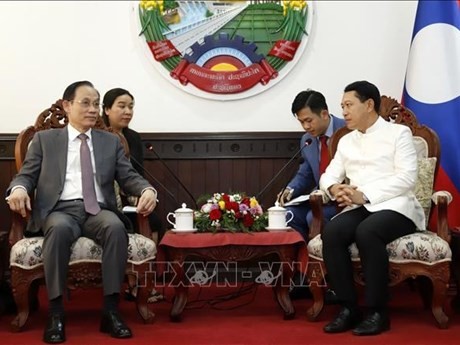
[117,112]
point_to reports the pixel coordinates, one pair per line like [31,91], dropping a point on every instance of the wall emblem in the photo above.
[225,49]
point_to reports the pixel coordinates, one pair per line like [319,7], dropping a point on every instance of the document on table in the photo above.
[129,209]
[297,201]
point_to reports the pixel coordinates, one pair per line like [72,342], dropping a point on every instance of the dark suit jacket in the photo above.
[307,177]
[136,150]
[45,164]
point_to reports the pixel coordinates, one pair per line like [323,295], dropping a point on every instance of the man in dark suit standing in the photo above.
[310,109]
[72,171]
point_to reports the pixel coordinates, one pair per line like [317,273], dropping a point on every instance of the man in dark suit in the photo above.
[310,109]
[72,171]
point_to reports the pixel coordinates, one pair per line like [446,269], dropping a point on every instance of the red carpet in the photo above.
[249,319]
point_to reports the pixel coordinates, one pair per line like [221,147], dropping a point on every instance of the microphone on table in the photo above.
[306,144]
[154,179]
[149,147]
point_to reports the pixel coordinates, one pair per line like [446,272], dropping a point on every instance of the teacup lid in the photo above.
[277,207]
[184,209]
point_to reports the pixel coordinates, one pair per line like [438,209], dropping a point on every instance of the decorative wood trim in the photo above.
[185,146]
[7,142]
[179,146]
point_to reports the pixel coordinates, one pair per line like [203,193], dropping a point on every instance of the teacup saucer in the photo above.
[277,229]
[183,230]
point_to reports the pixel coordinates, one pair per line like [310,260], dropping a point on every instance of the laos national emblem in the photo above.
[225,49]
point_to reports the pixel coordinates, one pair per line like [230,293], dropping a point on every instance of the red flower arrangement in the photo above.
[232,212]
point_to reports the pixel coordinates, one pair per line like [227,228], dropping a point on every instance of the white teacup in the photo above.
[184,218]
[277,217]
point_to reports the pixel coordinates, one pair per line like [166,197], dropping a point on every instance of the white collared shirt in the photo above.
[72,183]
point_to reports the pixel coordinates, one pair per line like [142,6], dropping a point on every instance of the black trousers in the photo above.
[371,232]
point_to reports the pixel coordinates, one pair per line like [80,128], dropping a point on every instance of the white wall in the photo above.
[46,45]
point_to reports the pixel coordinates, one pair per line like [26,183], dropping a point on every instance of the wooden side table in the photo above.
[226,247]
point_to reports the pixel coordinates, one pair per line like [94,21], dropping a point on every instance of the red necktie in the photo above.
[324,159]
[87,178]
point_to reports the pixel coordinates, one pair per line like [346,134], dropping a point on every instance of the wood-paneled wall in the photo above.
[204,163]
[7,171]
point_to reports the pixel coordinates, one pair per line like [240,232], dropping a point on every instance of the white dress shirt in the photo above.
[382,163]
[72,183]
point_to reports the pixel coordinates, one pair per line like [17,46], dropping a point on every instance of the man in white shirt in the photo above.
[72,172]
[379,160]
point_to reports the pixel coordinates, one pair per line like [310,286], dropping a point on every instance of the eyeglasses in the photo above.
[86,103]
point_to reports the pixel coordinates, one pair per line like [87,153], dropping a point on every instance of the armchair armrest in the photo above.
[442,199]
[142,222]
[317,199]
[18,225]
[144,226]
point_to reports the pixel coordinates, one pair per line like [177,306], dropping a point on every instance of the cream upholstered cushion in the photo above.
[422,246]
[117,195]
[27,253]
[425,176]
[424,183]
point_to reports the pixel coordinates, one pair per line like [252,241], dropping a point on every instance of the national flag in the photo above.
[432,87]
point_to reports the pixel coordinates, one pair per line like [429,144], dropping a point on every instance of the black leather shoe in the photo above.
[346,319]
[374,323]
[55,329]
[113,324]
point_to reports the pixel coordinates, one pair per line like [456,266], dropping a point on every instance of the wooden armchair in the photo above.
[85,263]
[425,253]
